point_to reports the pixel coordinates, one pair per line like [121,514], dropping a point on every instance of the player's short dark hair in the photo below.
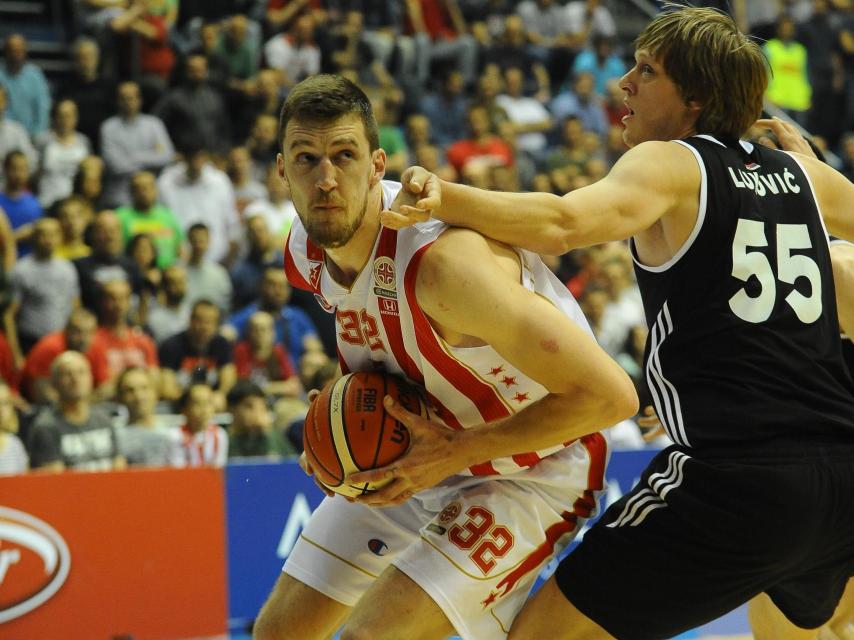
[196,226]
[243,389]
[324,98]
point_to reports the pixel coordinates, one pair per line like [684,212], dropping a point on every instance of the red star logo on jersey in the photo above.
[496,370]
[489,599]
[509,381]
[520,397]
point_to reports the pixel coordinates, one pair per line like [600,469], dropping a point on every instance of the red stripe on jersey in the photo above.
[483,469]
[292,271]
[539,555]
[597,448]
[484,396]
[529,459]
[387,247]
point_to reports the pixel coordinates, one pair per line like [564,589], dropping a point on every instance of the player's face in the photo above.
[656,110]
[330,169]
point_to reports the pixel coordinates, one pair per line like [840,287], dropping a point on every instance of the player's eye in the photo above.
[304,158]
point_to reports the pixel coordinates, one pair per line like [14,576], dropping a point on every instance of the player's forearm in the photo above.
[535,221]
[550,421]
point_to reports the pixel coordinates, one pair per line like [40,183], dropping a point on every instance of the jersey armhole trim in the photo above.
[814,197]
[698,225]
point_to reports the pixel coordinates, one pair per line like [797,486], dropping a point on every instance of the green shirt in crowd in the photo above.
[159,223]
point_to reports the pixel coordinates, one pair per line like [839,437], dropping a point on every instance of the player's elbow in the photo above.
[618,399]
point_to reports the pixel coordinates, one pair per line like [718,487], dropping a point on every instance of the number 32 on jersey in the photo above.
[748,261]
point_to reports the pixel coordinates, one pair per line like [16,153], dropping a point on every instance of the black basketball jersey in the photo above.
[744,345]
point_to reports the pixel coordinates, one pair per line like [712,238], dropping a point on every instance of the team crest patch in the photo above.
[450,513]
[751,166]
[385,279]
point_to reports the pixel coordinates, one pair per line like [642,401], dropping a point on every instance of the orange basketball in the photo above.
[347,428]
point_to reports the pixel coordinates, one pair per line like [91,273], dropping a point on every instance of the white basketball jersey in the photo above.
[381,327]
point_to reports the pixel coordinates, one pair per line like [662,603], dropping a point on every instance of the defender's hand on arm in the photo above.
[420,195]
[790,139]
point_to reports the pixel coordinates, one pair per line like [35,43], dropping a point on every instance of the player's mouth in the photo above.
[629,114]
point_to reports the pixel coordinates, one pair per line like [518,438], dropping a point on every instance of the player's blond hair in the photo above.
[711,62]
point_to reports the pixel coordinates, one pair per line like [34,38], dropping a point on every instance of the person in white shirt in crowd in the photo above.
[588,18]
[61,150]
[246,188]
[171,313]
[13,455]
[196,191]
[148,439]
[276,208]
[45,290]
[13,135]
[294,52]
[131,141]
[206,279]
[531,120]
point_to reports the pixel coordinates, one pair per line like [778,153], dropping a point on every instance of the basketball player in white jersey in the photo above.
[508,364]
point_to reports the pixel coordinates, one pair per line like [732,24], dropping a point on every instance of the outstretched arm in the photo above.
[647,183]
[465,287]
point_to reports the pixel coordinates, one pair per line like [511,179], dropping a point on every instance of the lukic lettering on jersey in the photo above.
[763,183]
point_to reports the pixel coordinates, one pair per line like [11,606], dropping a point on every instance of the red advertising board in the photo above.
[136,554]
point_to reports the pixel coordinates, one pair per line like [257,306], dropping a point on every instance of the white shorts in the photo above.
[474,544]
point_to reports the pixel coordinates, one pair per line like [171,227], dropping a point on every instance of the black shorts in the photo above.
[697,538]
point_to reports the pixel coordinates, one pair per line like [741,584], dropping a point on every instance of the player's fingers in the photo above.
[649,421]
[304,464]
[373,475]
[396,221]
[419,213]
[652,434]
[312,395]
[414,178]
[400,414]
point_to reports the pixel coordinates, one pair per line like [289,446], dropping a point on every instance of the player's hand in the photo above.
[303,460]
[420,195]
[432,457]
[790,139]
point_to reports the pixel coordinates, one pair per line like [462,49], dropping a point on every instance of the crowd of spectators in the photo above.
[146,318]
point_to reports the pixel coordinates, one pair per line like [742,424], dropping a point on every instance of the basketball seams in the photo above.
[382,425]
[338,424]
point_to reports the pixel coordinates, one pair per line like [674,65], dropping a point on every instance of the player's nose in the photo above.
[326,175]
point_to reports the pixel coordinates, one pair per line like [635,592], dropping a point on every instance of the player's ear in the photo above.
[378,160]
[280,166]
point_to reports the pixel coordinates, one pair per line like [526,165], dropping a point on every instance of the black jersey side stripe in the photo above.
[665,397]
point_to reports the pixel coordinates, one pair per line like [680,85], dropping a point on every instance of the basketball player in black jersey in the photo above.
[754,501]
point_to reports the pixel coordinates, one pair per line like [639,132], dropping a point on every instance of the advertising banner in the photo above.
[112,555]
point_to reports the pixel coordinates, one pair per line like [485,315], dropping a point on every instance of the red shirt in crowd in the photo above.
[133,349]
[277,367]
[464,150]
[46,350]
